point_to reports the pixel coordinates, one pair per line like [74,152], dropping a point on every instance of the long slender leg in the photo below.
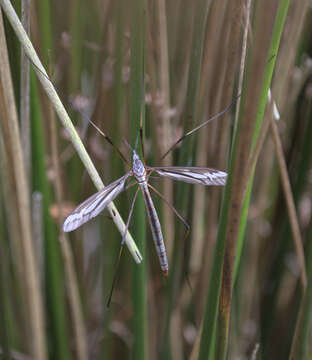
[129,186]
[149,176]
[199,127]
[106,137]
[121,247]
[179,216]
[129,216]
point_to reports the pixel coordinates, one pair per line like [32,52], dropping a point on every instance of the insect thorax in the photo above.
[138,167]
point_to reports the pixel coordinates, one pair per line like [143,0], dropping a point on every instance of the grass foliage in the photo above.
[239,284]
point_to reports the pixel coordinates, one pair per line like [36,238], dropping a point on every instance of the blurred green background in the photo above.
[239,286]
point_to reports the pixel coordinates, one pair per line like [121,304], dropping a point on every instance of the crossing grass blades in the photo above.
[138,170]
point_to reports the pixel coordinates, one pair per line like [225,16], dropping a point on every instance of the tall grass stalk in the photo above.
[268,71]
[54,284]
[232,205]
[71,278]
[12,139]
[25,92]
[137,115]
[301,339]
[185,158]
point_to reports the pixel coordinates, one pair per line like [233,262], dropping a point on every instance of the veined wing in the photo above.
[193,175]
[94,204]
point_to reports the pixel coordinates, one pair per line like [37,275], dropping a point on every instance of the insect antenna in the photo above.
[141,137]
[142,143]
[127,144]
[199,127]
[141,140]
[136,143]
[142,113]
[106,137]
[121,248]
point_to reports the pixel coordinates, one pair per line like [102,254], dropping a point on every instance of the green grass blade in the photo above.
[186,157]
[54,275]
[215,282]
[11,138]
[46,31]
[137,105]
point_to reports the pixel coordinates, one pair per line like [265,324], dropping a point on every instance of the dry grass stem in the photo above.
[71,278]
[13,141]
[290,202]
[25,94]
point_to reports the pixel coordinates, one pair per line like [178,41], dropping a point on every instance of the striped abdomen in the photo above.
[155,228]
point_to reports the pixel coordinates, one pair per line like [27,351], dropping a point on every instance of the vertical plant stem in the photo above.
[204,222]
[186,158]
[77,22]
[38,231]
[119,95]
[236,201]
[53,270]
[6,330]
[238,192]
[301,344]
[243,57]
[137,105]
[71,278]
[165,126]
[9,120]
[24,104]
[233,200]
[240,86]
[117,167]
[290,203]
[46,32]
[235,10]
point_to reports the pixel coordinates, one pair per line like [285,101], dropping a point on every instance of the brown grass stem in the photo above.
[9,125]
[294,223]
[71,278]
[25,95]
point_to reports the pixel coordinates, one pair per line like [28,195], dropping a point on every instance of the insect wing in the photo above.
[193,175]
[94,204]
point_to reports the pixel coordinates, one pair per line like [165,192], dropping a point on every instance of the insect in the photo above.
[95,204]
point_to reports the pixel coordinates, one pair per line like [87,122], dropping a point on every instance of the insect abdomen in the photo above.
[155,228]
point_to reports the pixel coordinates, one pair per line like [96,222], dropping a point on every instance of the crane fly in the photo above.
[91,207]
[97,202]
